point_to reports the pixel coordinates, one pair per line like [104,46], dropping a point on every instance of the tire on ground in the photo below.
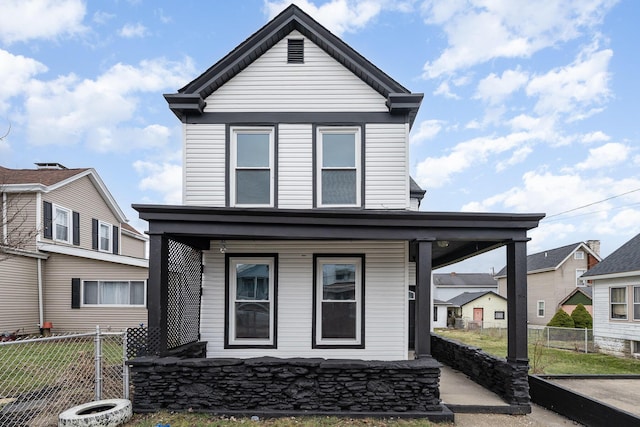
[103,413]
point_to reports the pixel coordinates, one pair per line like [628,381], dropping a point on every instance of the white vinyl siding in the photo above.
[204,165]
[271,84]
[295,166]
[606,329]
[386,166]
[385,300]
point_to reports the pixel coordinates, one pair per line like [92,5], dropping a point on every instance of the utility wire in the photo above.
[593,212]
[591,204]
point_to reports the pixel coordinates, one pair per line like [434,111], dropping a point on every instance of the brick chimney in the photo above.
[55,166]
[594,245]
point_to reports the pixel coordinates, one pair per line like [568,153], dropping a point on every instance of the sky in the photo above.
[529,107]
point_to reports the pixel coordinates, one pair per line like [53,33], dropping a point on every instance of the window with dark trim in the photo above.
[251,301]
[338,309]
[252,166]
[339,171]
[498,315]
[435,313]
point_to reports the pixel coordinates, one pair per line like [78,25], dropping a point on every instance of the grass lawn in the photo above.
[204,420]
[549,360]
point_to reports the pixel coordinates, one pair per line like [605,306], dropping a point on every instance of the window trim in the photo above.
[580,283]
[634,303]
[538,307]
[497,313]
[98,305]
[230,287]
[358,158]
[626,304]
[109,236]
[233,160]
[316,326]
[578,255]
[54,224]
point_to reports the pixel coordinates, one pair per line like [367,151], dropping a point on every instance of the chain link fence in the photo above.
[42,377]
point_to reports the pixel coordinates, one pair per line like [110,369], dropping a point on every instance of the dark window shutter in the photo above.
[116,236]
[48,217]
[94,233]
[75,293]
[76,228]
[295,51]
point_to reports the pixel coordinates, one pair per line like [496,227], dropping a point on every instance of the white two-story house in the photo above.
[299,233]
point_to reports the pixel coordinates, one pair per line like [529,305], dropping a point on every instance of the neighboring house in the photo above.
[616,300]
[581,295]
[485,309]
[449,285]
[552,275]
[296,164]
[79,263]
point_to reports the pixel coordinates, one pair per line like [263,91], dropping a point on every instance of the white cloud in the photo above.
[23,20]
[341,16]
[164,178]
[68,109]
[15,72]
[444,90]
[493,89]
[428,129]
[130,31]
[604,156]
[573,89]
[101,17]
[478,31]
[597,136]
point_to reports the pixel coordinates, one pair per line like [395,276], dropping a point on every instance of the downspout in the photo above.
[40,296]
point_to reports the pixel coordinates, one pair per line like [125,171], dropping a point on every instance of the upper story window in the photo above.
[580,272]
[339,167]
[578,255]
[62,224]
[540,308]
[104,237]
[252,166]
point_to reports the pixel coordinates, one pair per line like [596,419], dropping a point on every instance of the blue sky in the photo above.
[529,106]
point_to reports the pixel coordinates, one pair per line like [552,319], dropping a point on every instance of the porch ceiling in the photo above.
[457,235]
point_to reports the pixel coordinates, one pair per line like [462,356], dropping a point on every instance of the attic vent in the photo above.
[295,51]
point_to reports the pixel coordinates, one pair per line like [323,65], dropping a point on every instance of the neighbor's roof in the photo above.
[464,279]
[587,291]
[36,176]
[190,99]
[549,259]
[467,297]
[625,259]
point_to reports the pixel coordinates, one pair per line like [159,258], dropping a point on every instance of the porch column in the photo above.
[517,301]
[423,299]
[157,293]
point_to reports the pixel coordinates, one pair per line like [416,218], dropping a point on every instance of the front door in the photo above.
[478,314]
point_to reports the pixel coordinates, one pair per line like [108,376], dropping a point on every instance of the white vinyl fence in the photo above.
[42,377]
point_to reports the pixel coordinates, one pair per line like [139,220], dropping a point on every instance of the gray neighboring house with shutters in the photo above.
[296,165]
[79,263]
[552,275]
[616,300]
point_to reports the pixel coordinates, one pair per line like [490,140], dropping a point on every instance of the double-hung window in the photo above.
[104,236]
[114,292]
[252,164]
[540,308]
[636,303]
[618,301]
[339,296]
[579,273]
[61,224]
[339,171]
[251,287]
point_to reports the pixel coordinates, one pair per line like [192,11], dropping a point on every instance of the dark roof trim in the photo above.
[415,191]
[292,18]
[467,297]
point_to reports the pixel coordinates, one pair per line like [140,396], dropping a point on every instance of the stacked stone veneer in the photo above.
[285,385]
[509,380]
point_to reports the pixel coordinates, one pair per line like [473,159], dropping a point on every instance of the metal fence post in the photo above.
[98,349]
[585,341]
[125,367]
[548,343]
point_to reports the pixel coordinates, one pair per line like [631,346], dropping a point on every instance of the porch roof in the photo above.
[458,235]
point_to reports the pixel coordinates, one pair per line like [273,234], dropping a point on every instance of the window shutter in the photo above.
[76,228]
[94,233]
[116,235]
[295,51]
[48,217]
[75,293]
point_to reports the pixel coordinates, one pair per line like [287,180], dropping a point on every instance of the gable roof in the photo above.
[464,280]
[190,98]
[467,297]
[625,259]
[587,291]
[550,259]
[47,179]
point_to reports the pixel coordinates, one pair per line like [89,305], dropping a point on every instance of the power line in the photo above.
[593,212]
[591,204]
